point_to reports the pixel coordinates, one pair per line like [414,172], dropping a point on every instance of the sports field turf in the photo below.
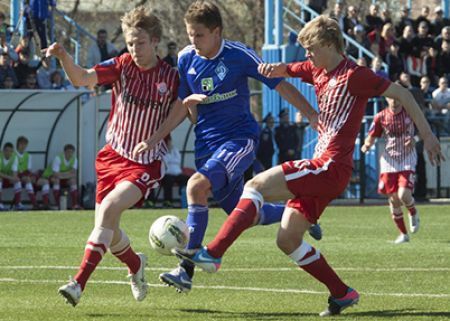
[39,250]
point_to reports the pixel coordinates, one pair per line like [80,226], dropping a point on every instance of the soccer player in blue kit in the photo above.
[214,94]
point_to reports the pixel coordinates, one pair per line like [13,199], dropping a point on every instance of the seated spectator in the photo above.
[387,37]
[57,81]
[44,72]
[338,14]
[361,61]
[373,21]
[405,81]
[8,175]
[25,43]
[6,48]
[8,83]
[172,54]
[441,97]
[406,47]
[427,90]
[23,68]
[351,20]
[30,82]
[404,21]
[443,60]
[423,17]
[394,61]
[416,67]
[100,51]
[24,169]
[422,40]
[6,70]
[174,173]
[431,62]
[318,6]
[386,16]
[62,172]
[439,22]
[443,36]
[360,37]
[376,67]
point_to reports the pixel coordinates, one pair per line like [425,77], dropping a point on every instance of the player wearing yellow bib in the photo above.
[8,174]
[24,169]
[63,172]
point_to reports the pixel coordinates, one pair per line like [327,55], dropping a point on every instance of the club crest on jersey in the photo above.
[407,121]
[221,70]
[332,82]
[162,88]
[207,84]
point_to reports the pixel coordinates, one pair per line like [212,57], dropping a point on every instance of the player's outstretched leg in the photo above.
[337,305]
[139,286]
[178,278]
[397,217]
[200,258]
[71,292]
[405,195]
[315,231]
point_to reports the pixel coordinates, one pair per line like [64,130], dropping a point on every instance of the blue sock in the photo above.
[270,213]
[197,220]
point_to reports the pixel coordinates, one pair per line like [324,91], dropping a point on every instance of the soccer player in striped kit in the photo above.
[397,163]
[214,74]
[144,88]
[343,89]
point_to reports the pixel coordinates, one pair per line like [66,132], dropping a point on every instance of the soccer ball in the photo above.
[168,232]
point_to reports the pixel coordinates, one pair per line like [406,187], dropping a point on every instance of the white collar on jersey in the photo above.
[222,45]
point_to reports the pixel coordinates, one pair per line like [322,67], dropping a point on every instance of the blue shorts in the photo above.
[225,168]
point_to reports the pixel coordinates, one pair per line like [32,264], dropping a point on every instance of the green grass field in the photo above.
[40,250]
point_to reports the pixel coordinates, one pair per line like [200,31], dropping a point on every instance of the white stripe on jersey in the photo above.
[335,111]
[307,171]
[249,52]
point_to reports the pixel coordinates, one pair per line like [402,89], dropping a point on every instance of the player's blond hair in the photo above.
[322,31]
[142,18]
[204,12]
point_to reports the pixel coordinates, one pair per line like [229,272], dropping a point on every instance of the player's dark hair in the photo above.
[204,12]
[69,147]
[8,145]
[21,140]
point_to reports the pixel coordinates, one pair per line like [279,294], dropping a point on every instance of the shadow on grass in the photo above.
[251,315]
[402,312]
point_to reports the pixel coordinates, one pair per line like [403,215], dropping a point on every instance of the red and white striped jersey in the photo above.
[396,129]
[141,102]
[342,95]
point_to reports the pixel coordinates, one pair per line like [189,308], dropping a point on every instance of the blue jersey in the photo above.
[225,115]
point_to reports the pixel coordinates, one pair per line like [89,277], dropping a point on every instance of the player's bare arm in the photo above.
[191,103]
[295,98]
[431,143]
[369,141]
[273,70]
[77,75]
[177,114]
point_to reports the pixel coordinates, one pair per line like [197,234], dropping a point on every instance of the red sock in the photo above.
[74,197]
[237,222]
[398,220]
[56,195]
[93,254]
[130,258]
[17,197]
[412,210]
[32,198]
[322,272]
[45,199]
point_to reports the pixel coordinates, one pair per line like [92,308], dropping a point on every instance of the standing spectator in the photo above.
[373,21]
[24,169]
[100,51]
[443,36]
[338,14]
[423,17]
[439,22]
[300,126]
[443,68]
[8,175]
[376,67]
[351,20]
[44,72]
[266,148]
[172,55]
[6,70]
[62,172]
[406,47]
[432,63]
[360,37]
[3,25]
[422,39]
[40,14]
[174,173]
[384,39]
[404,21]
[397,163]
[286,138]
[6,48]
[416,67]
[386,16]
[25,43]
[394,61]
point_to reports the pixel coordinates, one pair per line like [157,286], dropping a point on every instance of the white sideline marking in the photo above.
[235,288]
[118,268]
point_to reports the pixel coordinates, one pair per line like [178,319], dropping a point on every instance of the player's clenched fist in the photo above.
[272,70]
[55,49]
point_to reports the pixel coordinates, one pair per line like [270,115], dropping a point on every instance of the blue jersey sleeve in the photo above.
[183,89]
[251,60]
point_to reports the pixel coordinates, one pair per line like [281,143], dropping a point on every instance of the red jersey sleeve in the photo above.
[108,71]
[365,83]
[301,70]
[376,129]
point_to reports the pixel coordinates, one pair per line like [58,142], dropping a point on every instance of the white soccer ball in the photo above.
[168,232]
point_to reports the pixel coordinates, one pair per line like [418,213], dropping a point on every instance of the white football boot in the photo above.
[71,292]
[414,222]
[402,238]
[139,286]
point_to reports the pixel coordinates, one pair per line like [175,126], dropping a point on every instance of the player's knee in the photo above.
[286,243]
[405,196]
[197,185]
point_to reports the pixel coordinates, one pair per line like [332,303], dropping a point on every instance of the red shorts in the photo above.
[390,182]
[315,183]
[7,183]
[112,168]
